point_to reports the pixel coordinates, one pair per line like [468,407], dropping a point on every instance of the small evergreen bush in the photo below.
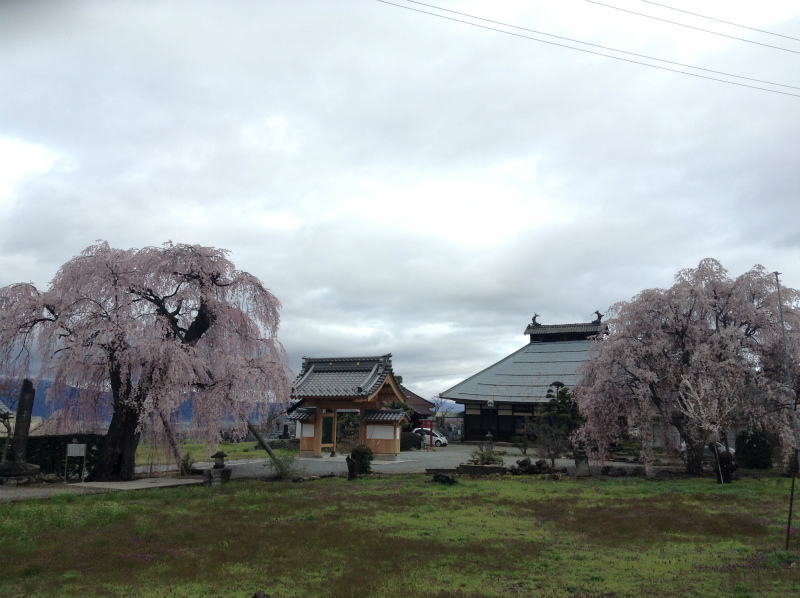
[362,455]
[523,443]
[753,449]
[410,441]
[186,463]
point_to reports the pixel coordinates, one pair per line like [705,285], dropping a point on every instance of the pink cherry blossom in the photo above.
[137,333]
[704,357]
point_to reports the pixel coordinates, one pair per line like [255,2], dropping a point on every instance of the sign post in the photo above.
[75,450]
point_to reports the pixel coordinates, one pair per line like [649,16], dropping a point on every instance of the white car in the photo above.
[439,439]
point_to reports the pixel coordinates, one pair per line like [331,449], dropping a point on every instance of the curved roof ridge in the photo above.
[342,376]
[357,358]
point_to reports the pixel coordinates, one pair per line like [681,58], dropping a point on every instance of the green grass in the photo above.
[403,536]
[158,455]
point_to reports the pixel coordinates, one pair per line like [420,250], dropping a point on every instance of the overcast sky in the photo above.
[402,182]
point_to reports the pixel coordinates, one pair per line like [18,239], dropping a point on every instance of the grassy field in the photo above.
[148,454]
[404,536]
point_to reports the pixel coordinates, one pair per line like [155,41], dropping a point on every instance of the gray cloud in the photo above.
[402,183]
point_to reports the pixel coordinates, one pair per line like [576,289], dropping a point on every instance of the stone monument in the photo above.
[19,468]
[581,463]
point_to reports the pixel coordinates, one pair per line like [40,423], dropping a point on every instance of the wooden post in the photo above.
[252,427]
[793,402]
[335,423]
[318,432]
[362,427]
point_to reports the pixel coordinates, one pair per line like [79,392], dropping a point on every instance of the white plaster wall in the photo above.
[380,432]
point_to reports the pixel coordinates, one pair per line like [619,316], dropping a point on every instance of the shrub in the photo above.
[284,465]
[522,443]
[485,456]
[186,462]
[753,450]
[632,446]
[410,441]
[362,455]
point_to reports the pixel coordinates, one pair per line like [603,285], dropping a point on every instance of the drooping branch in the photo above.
[703,354]
[143,331]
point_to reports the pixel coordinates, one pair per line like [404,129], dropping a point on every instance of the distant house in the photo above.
[500,398]
[423,408]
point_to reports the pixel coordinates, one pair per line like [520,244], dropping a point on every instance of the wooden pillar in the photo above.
[362,427]
[318,432]
[335,423]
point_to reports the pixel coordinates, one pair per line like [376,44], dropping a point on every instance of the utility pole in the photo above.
[794,410]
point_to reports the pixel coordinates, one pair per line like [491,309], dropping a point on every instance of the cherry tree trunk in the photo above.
[118,454]
[693,455]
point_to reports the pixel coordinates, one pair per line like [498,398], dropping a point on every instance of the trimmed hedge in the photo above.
[410,441]
[753,450]
[50,452]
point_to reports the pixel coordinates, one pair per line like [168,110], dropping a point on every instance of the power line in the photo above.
[721,21]
[741,39]
[655,66]
[599,46]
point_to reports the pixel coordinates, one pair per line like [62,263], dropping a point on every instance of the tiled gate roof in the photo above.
[342,376]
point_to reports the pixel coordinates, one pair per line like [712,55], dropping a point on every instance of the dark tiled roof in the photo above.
[546,333]
[417,403]
[590,327]
[342,376]
[524,376]
[301,414]
[294,404]
[304,414]
[384,415]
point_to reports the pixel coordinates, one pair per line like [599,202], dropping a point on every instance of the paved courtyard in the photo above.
[447,457]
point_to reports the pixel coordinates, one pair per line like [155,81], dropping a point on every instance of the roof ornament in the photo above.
[599,316]
[534,322]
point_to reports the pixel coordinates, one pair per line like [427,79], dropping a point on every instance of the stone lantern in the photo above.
[218,474]
[219,460]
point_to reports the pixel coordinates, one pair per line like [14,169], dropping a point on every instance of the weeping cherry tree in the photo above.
[703,356]
[136,334]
